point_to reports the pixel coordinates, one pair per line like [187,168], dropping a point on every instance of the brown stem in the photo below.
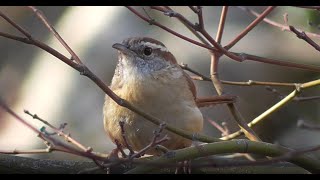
[19,28]
[232,108]
[221,23]
[186,23]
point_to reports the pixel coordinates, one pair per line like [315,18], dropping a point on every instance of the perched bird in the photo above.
[148,76]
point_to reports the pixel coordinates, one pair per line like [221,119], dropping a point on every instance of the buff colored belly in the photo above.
[174,108]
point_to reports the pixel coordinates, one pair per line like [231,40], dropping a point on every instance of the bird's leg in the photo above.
[185,166]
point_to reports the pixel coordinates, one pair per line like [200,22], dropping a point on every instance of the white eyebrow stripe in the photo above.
[154,46]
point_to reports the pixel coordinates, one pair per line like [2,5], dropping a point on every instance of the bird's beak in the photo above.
[123,49]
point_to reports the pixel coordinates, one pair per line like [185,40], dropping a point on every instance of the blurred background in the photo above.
[32,79]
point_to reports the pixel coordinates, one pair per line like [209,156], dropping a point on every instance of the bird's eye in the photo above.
[147,51]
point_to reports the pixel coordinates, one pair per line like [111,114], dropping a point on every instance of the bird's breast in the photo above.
[163,95]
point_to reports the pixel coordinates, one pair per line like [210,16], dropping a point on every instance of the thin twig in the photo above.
[222,21]
[223,130]
[55,144]
[59,131]
[186,23]
[202,77]
[19,28]
[43,19]
[153,22]
[273,23]
[154,142]
[302,35]
[277,62]
[250,27]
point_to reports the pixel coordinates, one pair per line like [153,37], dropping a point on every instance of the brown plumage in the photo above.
[156,84]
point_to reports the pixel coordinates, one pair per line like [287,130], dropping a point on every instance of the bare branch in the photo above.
[43,18]
[54,143]
[153,22]
[19,28]
[60,132]
[221,23]
[302,35]
[202,77]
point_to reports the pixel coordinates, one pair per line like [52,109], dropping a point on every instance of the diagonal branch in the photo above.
[250,27]
[67,137]
[43,18]
[19,28]
[302,35]
[221,23]
[153,22]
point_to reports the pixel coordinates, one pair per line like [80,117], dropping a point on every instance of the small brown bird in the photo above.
[148,76]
